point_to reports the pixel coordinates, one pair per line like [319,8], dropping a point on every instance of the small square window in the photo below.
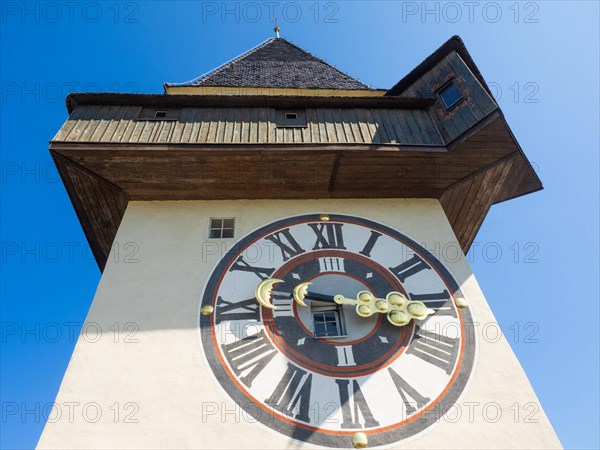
[221,228]
[290,118]
[450,95]
[327,321]
[152,113]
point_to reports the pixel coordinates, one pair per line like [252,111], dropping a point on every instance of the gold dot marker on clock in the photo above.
[207,310]
[359,440]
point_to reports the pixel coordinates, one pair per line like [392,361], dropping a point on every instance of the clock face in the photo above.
[320,373]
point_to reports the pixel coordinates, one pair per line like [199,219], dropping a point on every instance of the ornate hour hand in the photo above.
[301,294]
[264,288]
[399,309]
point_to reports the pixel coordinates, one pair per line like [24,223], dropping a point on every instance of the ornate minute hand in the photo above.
[399,309]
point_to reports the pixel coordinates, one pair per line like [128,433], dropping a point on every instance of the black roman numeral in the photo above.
[370,244]
[290,248]
[284,303]
[439,301]
[293,389]
[350,415]
[409,268]
[329,235]
[261,272]
[436,349]
[244,310]
[407,392]
[240,353]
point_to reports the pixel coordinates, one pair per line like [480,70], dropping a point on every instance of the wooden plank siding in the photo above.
[476,103]
[482,167]
[467,202]
[99,205]
[93,123]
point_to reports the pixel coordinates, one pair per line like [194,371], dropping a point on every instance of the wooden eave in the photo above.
[483,166]
[244,101]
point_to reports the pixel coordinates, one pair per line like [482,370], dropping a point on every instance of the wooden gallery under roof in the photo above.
[277,122]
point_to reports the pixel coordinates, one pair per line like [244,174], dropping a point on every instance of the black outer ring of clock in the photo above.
[417,423]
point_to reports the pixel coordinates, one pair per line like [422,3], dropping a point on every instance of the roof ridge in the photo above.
[224,65]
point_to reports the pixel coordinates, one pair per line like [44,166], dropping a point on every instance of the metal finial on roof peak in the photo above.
[276,29]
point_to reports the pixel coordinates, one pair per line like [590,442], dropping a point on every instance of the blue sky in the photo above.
[536,257]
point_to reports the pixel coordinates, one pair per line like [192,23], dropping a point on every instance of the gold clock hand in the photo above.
[399,309]
[341,300]
[263,292]
[300,292]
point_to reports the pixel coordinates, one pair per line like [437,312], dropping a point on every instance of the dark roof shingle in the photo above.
[277,63]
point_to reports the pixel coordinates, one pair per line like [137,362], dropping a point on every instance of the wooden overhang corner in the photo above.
[483,167]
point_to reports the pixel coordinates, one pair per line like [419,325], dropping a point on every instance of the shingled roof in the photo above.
[277,63]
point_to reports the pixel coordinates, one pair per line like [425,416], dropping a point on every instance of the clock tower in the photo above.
[282,249]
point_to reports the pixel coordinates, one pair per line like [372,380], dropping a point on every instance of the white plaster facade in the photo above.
[162,382]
